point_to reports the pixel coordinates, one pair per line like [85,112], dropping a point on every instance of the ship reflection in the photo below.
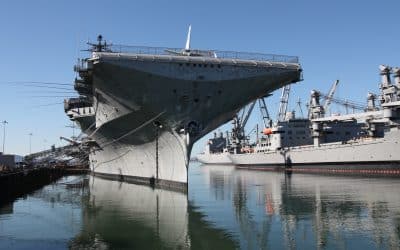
[309,211]
[121,215]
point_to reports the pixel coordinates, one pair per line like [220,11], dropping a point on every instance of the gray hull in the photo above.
[144,163]
[380,155]
[221,158]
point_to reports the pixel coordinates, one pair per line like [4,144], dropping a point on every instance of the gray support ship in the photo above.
[143,108]
[216,150]
[365,143]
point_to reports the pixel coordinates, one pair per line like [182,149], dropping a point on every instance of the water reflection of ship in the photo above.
[7,208]
[219,180]
[313,211]
[129,216]
[226,185]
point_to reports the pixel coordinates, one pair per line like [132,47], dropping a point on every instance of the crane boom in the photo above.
[345,103]
[284,103]
[238,136]
[329,97]
[264,112]
[247,115]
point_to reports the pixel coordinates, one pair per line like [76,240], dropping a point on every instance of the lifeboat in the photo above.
[267,131]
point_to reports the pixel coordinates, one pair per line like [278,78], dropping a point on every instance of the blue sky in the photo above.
[40,41]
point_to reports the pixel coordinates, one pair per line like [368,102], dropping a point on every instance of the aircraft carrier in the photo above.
[143,108]
[363,143]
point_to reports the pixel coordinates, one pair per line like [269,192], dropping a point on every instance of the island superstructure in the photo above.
[142,108]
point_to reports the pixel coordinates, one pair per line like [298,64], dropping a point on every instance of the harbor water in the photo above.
[224,208]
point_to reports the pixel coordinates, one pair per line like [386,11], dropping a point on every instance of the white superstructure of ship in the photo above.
[366,142]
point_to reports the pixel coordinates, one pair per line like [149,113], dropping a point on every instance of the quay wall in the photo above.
[18,184]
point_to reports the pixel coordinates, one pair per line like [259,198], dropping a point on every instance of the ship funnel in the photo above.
[385,74]
[187,46]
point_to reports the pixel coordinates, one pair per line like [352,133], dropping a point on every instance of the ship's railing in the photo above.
[204,53]
[81,65]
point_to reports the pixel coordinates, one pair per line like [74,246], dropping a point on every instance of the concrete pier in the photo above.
[18,184]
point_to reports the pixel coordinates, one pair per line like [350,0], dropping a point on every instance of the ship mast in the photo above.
[100,46]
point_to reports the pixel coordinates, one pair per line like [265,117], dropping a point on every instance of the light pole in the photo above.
[4,134]
[30,143]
